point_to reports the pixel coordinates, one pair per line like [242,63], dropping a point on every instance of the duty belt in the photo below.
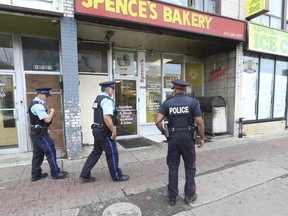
[39,129]
[97,125]
[34,127]
[189,128]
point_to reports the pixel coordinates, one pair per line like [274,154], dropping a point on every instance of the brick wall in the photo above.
[238,86]
[71,87]
[233,8]
[263,128]
[225,85]
[230,85]
[68,7]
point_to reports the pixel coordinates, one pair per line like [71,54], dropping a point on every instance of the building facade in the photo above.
[265,66]
[72,46]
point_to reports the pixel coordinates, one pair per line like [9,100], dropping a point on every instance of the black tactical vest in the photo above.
[180,114]
[98,111]
[34,119]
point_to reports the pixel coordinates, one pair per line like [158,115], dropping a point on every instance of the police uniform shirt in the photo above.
[107,105]
[173,106]
[39,109]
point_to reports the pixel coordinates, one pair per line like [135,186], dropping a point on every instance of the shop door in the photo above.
[126,104]
[8,113]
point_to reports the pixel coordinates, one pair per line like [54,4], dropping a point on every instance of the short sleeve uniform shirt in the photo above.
[39,108]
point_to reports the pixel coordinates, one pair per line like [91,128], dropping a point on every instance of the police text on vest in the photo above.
[179,110]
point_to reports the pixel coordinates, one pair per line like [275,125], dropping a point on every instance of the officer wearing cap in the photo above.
[104,132]
[40,119]
[182,112]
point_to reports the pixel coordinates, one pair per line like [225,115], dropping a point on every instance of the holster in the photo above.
[167,131]
[38,131]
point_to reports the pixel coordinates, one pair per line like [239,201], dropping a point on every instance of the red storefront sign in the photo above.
[159,14]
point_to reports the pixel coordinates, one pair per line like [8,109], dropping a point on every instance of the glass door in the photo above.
[126,104]
[8,113]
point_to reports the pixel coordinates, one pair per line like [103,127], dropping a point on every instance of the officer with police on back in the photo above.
[182,112]
[104,132]
[40,119]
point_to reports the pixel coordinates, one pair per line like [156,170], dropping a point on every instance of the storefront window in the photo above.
[275,23]
[6,52]
[271,89]
[153,85]
[280,89]
[265,88]
[125,63]
[92,58]
[274,17]
[275,8]
[172,67]
[264,20]
[249,88]
[40,54]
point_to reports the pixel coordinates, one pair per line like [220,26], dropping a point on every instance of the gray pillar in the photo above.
[70,87]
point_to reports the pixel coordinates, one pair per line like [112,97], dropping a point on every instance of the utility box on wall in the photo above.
[214,114]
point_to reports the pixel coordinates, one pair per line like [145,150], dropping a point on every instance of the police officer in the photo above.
[182,112]
[40,119]
[104,132]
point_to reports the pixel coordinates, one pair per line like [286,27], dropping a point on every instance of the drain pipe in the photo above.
[240,121]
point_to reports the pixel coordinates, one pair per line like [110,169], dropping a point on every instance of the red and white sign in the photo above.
[216,73]
[163,15]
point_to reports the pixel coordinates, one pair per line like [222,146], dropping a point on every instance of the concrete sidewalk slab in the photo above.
[221,184]
[234,179]
[126,157]
[263,200]
[151,153]
[207,190]
[279,160]
[263,170]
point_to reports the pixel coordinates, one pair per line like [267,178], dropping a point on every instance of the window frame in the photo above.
[93,50]
[41,71]
[217,6]
[13,52]
[283,18]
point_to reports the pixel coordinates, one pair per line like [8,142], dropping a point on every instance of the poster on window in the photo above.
[193,76]
[124,64]
[249,88]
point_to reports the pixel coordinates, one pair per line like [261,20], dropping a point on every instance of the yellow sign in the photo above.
[255,8]
[267,40]
[193,74]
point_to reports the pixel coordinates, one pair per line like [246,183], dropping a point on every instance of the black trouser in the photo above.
[103,143]
[43,144]
[181,143]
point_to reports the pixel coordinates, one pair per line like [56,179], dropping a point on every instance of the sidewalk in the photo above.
[235,176]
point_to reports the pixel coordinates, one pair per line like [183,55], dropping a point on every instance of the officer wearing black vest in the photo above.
[40,119]
[104,132]
[182,112]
